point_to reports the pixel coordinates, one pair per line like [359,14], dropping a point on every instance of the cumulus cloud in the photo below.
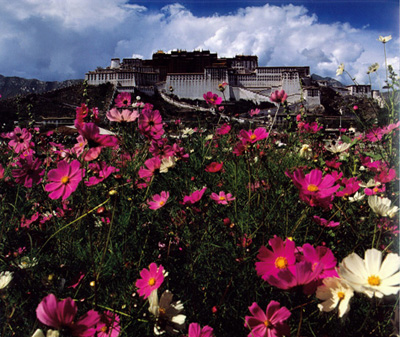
[56,40]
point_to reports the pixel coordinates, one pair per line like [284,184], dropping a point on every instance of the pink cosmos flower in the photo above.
[1,171]
[254,112]
[150,123]
[152,165]
[315,190]
[372,191]
[324,223]
[214,167]
[123,100]
[81,113]
[61,314]
[95,140]
[20,139]
[223,130]
[158,201]
[212,99]
[29,171]
[64,180]
[305,274]
[195,330]
[222,198]
[278,96]
[309,128]
[194,197]
[151,279]
[102,171]
[125,116]
[321,255]
[270,323]
[351,186]
[160,148]
[280,258]
[252,137]
[109,325]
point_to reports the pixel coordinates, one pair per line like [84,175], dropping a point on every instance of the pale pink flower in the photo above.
[114,115]
[278,96]
[222,198]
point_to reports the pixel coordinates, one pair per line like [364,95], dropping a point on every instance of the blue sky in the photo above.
[63,39]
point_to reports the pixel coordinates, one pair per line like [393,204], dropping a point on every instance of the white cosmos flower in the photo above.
[384,39]
[26,262]
[167,163]
[337,146]
[382,206]
[340,69]
[370,183]
[50,333]
[357,197]
[334,292]
[5,278]
[167,313]
[306,151]
[371,276]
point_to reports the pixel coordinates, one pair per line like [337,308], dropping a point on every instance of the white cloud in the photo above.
[55,39]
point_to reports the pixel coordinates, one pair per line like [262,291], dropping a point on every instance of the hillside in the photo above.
[13,86]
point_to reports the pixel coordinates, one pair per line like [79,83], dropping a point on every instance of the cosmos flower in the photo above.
[337,146]
[109,325]
[214,167]
[222,198]
[150,123]
[151,279]
[270,323]
[212,99]
[324,223]
[195,330]
[64,180]
[123,100]
[5,279]
[125,116]
[320,255]
[20,139]
[61,315]
[306,152]
[151,166]
[384,39]
[278,96]
[158,200]
[29,171]
[252,137]
[194,197]
[281,257]
[371,276]
[334,292]
[168,313]
[223,129]
[382,206]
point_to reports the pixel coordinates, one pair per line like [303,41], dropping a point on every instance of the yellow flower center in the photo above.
[104,329]
[65,180]
[162,311]
[340,294]
[222,198]
[312,188]
[267,324]
[374,280]
[162,203]
[152,281]
[281,262]
[253,136]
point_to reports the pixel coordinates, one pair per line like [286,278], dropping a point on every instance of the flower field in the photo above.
[234,230]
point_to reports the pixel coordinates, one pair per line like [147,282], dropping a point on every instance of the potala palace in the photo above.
[191,74]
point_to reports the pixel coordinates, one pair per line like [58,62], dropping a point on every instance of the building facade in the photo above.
[191,74]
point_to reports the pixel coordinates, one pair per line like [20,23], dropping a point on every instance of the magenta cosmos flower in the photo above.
[212,99]
[109,325]
[252,137]
[61,314]
[222,198]
[194,197]
[158,201]
[315,190]
[278,96]
[195,330]
[95,140]
[214,167]
[269,323]
[152,165]
[150,123]
[125,116]
[321,255]
[123,100]
[281,257]
[64,179]
[20,139]
[151,279]
[29,171]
